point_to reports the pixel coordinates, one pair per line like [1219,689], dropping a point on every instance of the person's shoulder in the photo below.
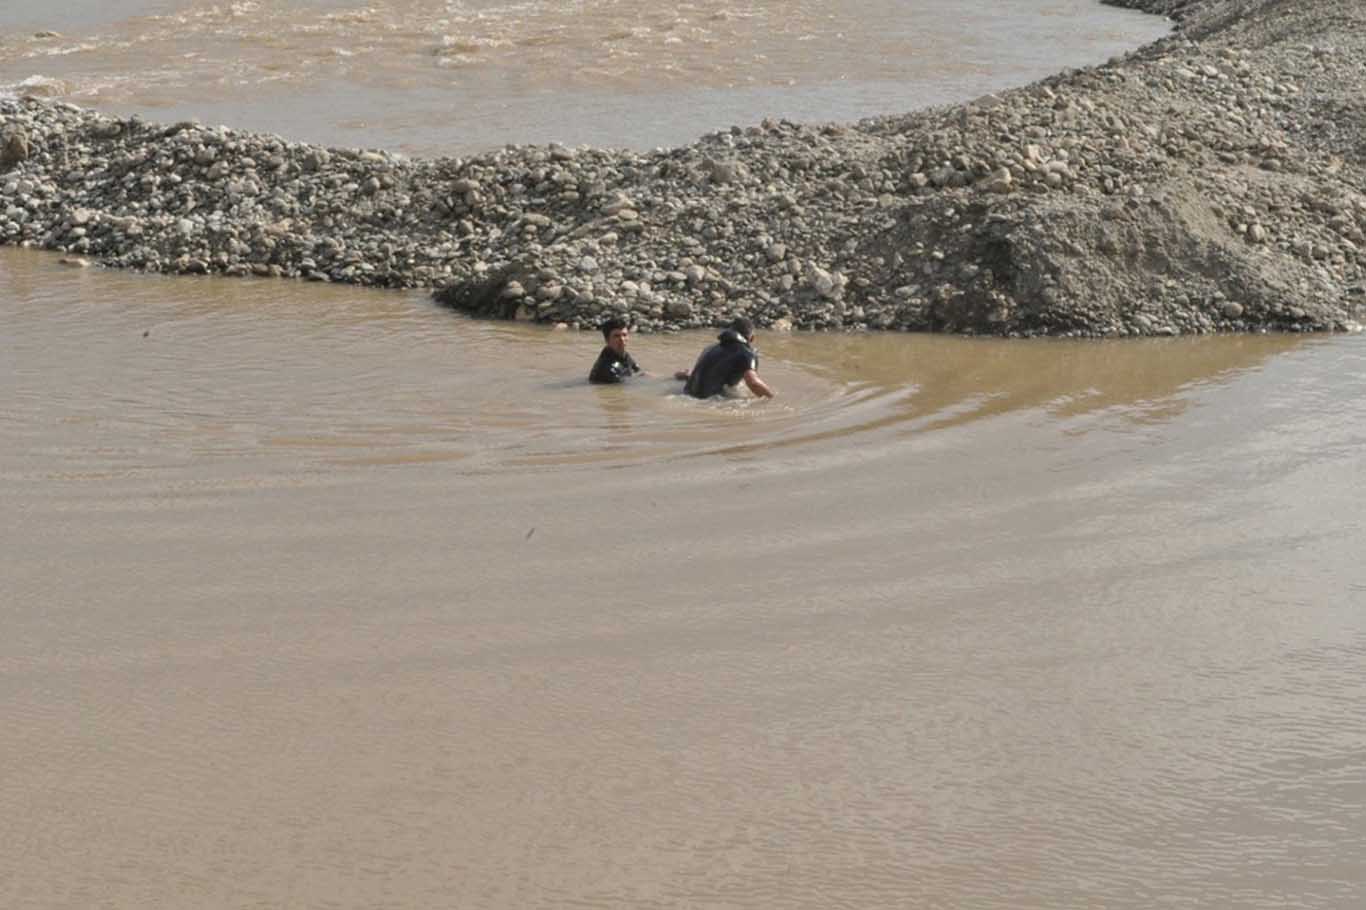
[602,367]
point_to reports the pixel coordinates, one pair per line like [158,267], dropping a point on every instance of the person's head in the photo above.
[616,332]
[742,327]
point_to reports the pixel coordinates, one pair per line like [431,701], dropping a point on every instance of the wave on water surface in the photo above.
[338,374]
[592,68]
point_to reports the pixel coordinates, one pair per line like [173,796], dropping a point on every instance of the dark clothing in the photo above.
[613,367]
[723,364]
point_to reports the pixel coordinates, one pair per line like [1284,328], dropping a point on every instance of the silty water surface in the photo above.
[452,77]
[317,597]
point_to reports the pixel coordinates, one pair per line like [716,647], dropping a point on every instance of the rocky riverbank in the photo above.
[1213,181]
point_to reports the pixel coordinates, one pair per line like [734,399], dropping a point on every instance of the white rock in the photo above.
[820,280]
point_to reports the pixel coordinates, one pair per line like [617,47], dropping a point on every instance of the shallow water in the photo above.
[316,597]
[433,77]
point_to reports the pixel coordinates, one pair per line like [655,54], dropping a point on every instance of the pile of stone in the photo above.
[1213,181]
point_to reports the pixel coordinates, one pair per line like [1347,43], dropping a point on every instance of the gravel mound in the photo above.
[1213,181]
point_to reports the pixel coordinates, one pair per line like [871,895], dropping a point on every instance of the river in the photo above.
[320,597]
[456,76]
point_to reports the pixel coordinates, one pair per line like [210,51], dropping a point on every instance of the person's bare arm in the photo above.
[682,375]
[757,385]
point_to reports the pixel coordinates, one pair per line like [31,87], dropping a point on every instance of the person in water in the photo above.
[614,364]
[722,367]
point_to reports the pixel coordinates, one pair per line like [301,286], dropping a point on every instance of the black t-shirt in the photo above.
[723,364]
[613,367]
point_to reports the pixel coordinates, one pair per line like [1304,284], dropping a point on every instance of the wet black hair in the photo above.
[743,326]
[611,325]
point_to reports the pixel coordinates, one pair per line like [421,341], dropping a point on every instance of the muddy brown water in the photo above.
[454,76]
[319,597]
[313,597]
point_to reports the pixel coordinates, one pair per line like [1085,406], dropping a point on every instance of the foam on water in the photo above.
[542,70]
